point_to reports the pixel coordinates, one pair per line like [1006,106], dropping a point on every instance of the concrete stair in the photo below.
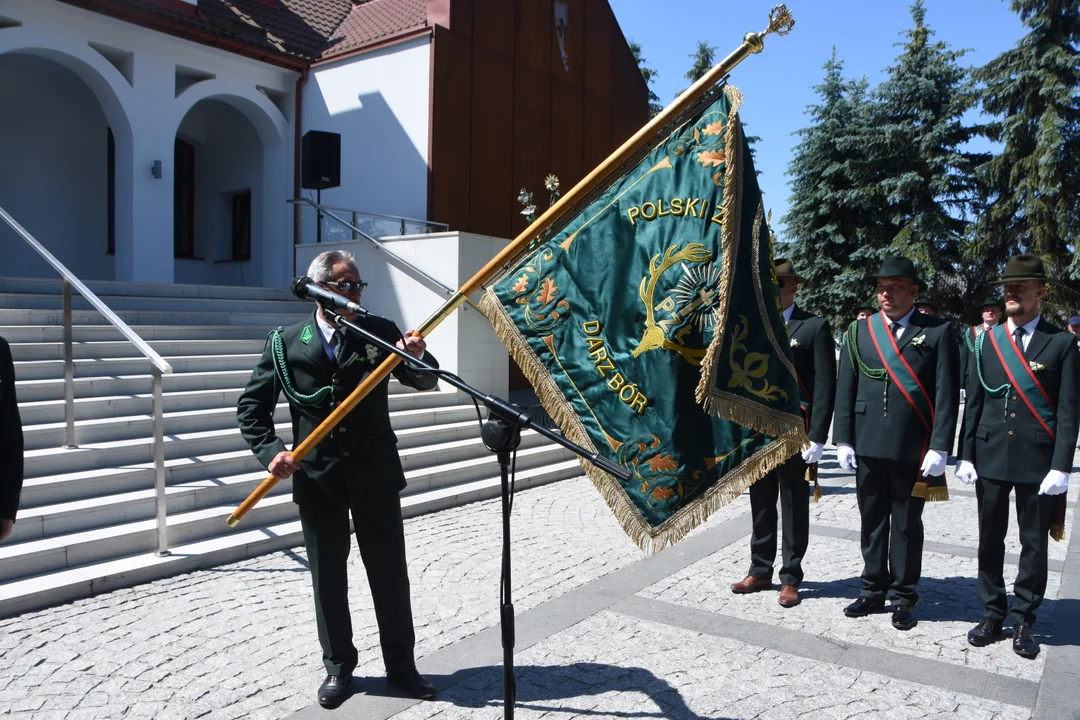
[87,518]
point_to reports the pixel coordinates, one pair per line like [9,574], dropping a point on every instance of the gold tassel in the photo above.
[812,477]
[937,494]
[919,490]
[1057,532]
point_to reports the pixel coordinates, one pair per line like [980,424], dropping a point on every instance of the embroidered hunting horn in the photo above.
[780,23]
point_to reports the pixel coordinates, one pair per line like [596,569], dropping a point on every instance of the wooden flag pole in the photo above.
[780,23]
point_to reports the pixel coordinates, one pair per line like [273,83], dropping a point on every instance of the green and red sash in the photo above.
[1023,379]
[909,385]
[900,371]
[1027,387]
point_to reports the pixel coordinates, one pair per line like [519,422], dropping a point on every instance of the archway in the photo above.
[60,139]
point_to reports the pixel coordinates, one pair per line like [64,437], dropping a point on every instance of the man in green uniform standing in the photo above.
[992,311]
[896,404]
[1020,429]
[354,470]
[814,354]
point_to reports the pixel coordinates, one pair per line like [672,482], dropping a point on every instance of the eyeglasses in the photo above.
[348,286]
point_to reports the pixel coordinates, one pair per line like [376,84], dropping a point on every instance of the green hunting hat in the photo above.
[784,268]
[995,302]
[899,266]
[1022,267]
[868,305]
[925,300]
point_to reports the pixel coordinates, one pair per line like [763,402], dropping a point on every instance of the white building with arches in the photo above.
[158,140]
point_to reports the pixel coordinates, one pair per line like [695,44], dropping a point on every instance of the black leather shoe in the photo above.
[334,689]
[1024,644]
[862,607]
[903,617]
[413,684]
[985,632]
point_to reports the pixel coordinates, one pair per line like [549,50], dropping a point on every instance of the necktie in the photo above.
[337,341]
[896,328]
[1018,335]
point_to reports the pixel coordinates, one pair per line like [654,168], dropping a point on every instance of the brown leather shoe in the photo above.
[789,596]
[751,584]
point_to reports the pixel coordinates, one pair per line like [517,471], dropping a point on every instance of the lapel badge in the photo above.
[306,335]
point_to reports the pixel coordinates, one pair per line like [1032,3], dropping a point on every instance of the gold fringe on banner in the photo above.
[787,429]
[1057,532]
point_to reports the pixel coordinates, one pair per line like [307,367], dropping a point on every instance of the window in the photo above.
[241,226]
[183,199]
[110,184]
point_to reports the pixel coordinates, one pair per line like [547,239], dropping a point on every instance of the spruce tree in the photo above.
[923,174]
[833,225]
[1033,186]
[704,58]
[648,74]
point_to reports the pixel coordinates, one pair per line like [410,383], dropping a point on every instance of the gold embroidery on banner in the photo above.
[760,293]
[754,366]
[655,336]
[664,164]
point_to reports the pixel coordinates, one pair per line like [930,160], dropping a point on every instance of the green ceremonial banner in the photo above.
[649,325]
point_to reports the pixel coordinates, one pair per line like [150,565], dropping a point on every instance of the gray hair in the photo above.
[321,268]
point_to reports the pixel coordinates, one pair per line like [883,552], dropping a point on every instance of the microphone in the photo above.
[305,288]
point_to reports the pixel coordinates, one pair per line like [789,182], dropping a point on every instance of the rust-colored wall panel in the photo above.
[568,42]
[534,25]
[508,109]
[451,159]
[461,17]
[598,49]
[625,117]
[532,135]
[491,178]
[596,132]
[566,141]
[493,25]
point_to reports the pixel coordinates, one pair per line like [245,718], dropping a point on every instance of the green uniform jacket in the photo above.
[360,455]
[1010,444]
[895,433]
[11,437]
[814,354]
[967,361]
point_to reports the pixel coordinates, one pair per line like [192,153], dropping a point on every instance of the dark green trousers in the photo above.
[892,529]
[1033,516]
[381,538]
[789,482]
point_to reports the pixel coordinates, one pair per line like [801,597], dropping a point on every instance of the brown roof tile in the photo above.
[375,21]
[297,30]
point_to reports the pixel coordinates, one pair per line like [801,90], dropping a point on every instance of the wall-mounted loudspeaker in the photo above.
[320,160]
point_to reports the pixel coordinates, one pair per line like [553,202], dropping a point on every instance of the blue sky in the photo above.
[778,83]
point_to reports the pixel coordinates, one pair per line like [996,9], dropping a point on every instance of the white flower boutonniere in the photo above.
[372,353]
[917,341]
[795,343]
[1036,367]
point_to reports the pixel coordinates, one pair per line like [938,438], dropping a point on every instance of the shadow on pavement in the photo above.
[538,685]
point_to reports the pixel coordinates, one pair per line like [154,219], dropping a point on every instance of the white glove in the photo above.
[845,455]
[966,472]
[963,394]
[1055,483]
[812,453]
[933,463]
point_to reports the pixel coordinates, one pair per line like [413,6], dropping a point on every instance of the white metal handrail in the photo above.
[441,227]
[158,368]
[397,259]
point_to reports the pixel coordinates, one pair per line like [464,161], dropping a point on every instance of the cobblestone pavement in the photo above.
[602,632]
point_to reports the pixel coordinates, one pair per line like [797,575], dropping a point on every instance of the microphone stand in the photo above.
[501,435]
